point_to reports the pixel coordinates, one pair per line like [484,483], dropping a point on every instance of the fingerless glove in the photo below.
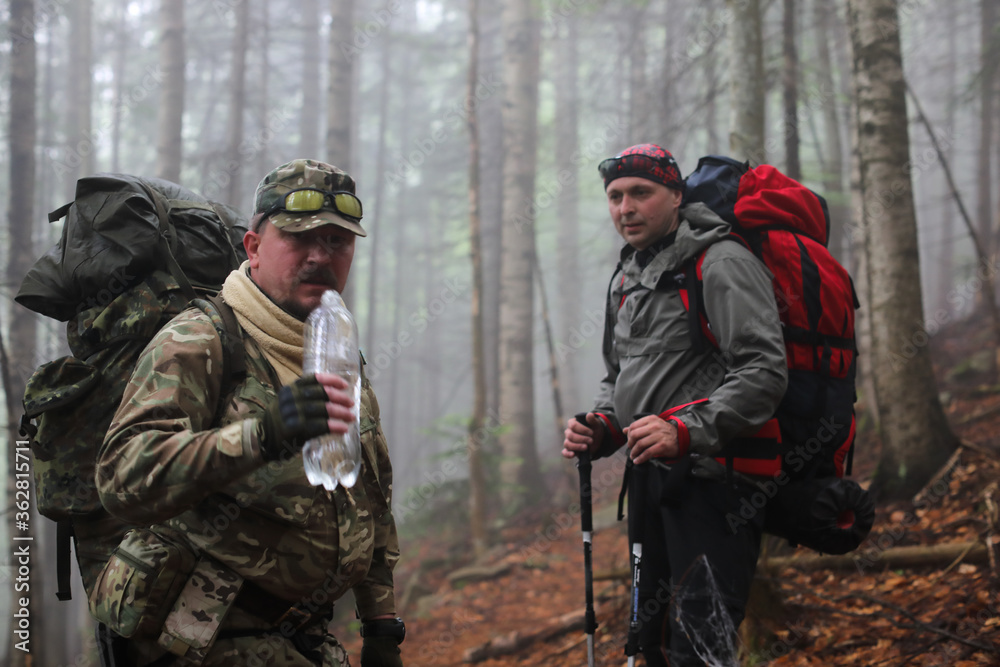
[297,414]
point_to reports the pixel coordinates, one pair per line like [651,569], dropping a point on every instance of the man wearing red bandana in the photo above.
[682,405]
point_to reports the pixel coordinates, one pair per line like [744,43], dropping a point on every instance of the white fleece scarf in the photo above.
[279,335]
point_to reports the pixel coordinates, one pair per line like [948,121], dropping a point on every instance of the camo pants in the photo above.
[273,650]
[259,649]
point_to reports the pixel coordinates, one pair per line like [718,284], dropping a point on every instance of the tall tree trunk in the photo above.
[262,140]
[121,65]
[862,283]
[833,168]
[21,342]
[310,112]
[675,15]
[237,102]
[712,104]
[639,107]
[80,140]
[490,119]
[209,173]
[948,229]
[746,81]
[916,438]
[375,229]
[47,192]
[568,214]
[340,96]
[790,81]
[987,104]
[519,469]
[476,439]
[170,110]
[401,401]
[431,396]
[340,84]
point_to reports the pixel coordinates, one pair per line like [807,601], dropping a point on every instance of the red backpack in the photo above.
[786,225]
[809,444]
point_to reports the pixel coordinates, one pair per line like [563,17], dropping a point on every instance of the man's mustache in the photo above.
[319,274]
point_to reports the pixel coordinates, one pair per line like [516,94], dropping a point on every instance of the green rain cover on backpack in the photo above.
[133,254]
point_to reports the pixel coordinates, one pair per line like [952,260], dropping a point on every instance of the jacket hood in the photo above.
[699,228]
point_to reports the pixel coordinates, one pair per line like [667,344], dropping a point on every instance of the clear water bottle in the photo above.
[331,346]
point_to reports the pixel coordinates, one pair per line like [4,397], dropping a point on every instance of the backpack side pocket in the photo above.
[139,584]
[63,451]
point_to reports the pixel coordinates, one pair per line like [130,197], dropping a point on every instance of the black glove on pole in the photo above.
[587,526]
[297,414]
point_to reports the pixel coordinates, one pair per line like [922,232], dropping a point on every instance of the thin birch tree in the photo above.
[519,470]
[477,424]
[746,81]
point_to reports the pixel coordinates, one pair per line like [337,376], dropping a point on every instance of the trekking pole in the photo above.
[636,519]
[587,527]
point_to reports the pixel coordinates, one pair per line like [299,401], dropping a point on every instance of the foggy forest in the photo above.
[473,130]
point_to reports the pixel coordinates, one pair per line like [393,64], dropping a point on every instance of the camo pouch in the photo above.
[140,582]
[197,614]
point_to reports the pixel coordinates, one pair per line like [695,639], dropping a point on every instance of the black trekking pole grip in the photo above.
[583,466]
[587,526]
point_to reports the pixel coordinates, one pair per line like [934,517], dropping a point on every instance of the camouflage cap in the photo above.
[296,175]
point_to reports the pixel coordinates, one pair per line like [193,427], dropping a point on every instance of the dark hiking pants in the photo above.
[681,604]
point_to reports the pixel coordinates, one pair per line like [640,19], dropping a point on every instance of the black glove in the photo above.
[296,414]
[382,638]
[380,652]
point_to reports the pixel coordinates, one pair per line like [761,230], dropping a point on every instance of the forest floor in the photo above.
[528,593]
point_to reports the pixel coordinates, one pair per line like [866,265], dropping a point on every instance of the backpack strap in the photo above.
[64,535]
[610,313]
[691,288]
[234,366]
[695,303]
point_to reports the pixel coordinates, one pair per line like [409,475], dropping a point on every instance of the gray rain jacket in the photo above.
[652,365]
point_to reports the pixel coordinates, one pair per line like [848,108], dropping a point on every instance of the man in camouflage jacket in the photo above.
[218,462]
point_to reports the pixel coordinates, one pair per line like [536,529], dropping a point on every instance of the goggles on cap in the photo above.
[630,164]
[308,200]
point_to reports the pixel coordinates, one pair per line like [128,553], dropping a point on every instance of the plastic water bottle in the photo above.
[331,346]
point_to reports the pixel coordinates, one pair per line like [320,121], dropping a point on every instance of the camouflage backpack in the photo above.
[133,254]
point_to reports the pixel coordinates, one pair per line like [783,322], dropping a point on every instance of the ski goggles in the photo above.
[309,200]
[659,169]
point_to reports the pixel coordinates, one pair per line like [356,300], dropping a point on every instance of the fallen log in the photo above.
[512,642]
[473,573]
[932,555]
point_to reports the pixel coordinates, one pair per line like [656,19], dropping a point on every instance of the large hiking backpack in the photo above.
[133,254]
[787,226]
